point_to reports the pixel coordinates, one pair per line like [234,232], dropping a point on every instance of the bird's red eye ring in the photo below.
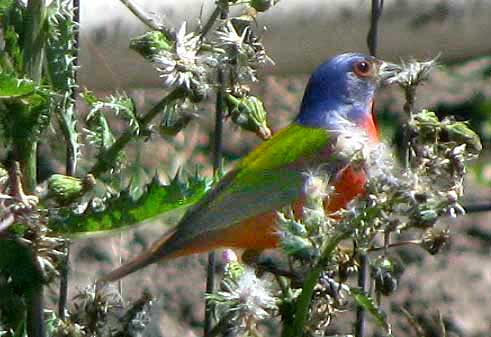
[363,69]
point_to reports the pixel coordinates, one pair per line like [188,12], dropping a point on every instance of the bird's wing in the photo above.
[269,178]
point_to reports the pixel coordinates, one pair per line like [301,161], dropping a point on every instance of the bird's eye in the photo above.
[363,69]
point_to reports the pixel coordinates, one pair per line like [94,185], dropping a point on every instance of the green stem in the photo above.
[25,149]
[217,161]
[25,153]
[296,328]
[33,51]
[107,158]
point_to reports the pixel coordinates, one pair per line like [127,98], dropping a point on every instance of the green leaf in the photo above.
[4,5]
[124,211]
[11,86]
[121,104]
[369,305]
[11,20]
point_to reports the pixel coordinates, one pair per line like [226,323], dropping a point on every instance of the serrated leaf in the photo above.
[11,86]
[26,117]
[367,303]
[124,211]
[12,22]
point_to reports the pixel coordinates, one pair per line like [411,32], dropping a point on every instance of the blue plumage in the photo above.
[335,93]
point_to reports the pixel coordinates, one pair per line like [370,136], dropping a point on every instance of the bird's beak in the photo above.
[387,72]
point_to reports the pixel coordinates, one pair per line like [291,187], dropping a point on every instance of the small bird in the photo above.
[240,211]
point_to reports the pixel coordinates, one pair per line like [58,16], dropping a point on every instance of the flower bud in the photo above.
[423,217]
[248,112]
[233,268]
[150,44]
[65,189]
[291,226]
[461,133]
[297,246]
[316,189]
[229,256]
[452,196]
[386,283]
[426,123]
[383,272]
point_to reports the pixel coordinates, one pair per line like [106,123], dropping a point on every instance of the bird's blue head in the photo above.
[342,89]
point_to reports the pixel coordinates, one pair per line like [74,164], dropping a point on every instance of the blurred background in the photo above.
[299,36]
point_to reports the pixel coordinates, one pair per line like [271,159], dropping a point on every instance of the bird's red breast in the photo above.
[261,231]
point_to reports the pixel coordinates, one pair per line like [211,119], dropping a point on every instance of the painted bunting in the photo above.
[240,210]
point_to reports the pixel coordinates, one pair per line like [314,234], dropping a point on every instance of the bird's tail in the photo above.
[144,259]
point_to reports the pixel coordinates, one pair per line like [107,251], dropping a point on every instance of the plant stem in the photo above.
[33,52]
[63,295]
[395,244]
[25,149]
[211,21]
[71,154]
[296,328]
[146,19]
[35,313]
[71,162]
[372,36]
[107,158]
[217,166]
[363,274]
[362,283]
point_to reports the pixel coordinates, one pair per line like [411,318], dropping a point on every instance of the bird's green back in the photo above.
[266,179]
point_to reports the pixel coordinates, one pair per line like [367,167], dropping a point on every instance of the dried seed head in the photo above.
[316,189]
[435,239]
[413,73]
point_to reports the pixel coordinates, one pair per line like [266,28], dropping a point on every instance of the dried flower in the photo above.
[183,66]
[435,239]
[245,300]
[242,48]
[413,72]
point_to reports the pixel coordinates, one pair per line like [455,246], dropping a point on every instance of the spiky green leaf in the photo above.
[11,86]
[124,211]
[369,305]
[26,117]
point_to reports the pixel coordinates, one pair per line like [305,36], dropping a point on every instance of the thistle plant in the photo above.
[97,193]
[38,91]
[321,248]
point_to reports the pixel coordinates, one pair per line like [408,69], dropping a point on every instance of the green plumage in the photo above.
[270,177]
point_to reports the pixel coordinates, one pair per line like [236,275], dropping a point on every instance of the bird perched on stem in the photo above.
[240,211]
